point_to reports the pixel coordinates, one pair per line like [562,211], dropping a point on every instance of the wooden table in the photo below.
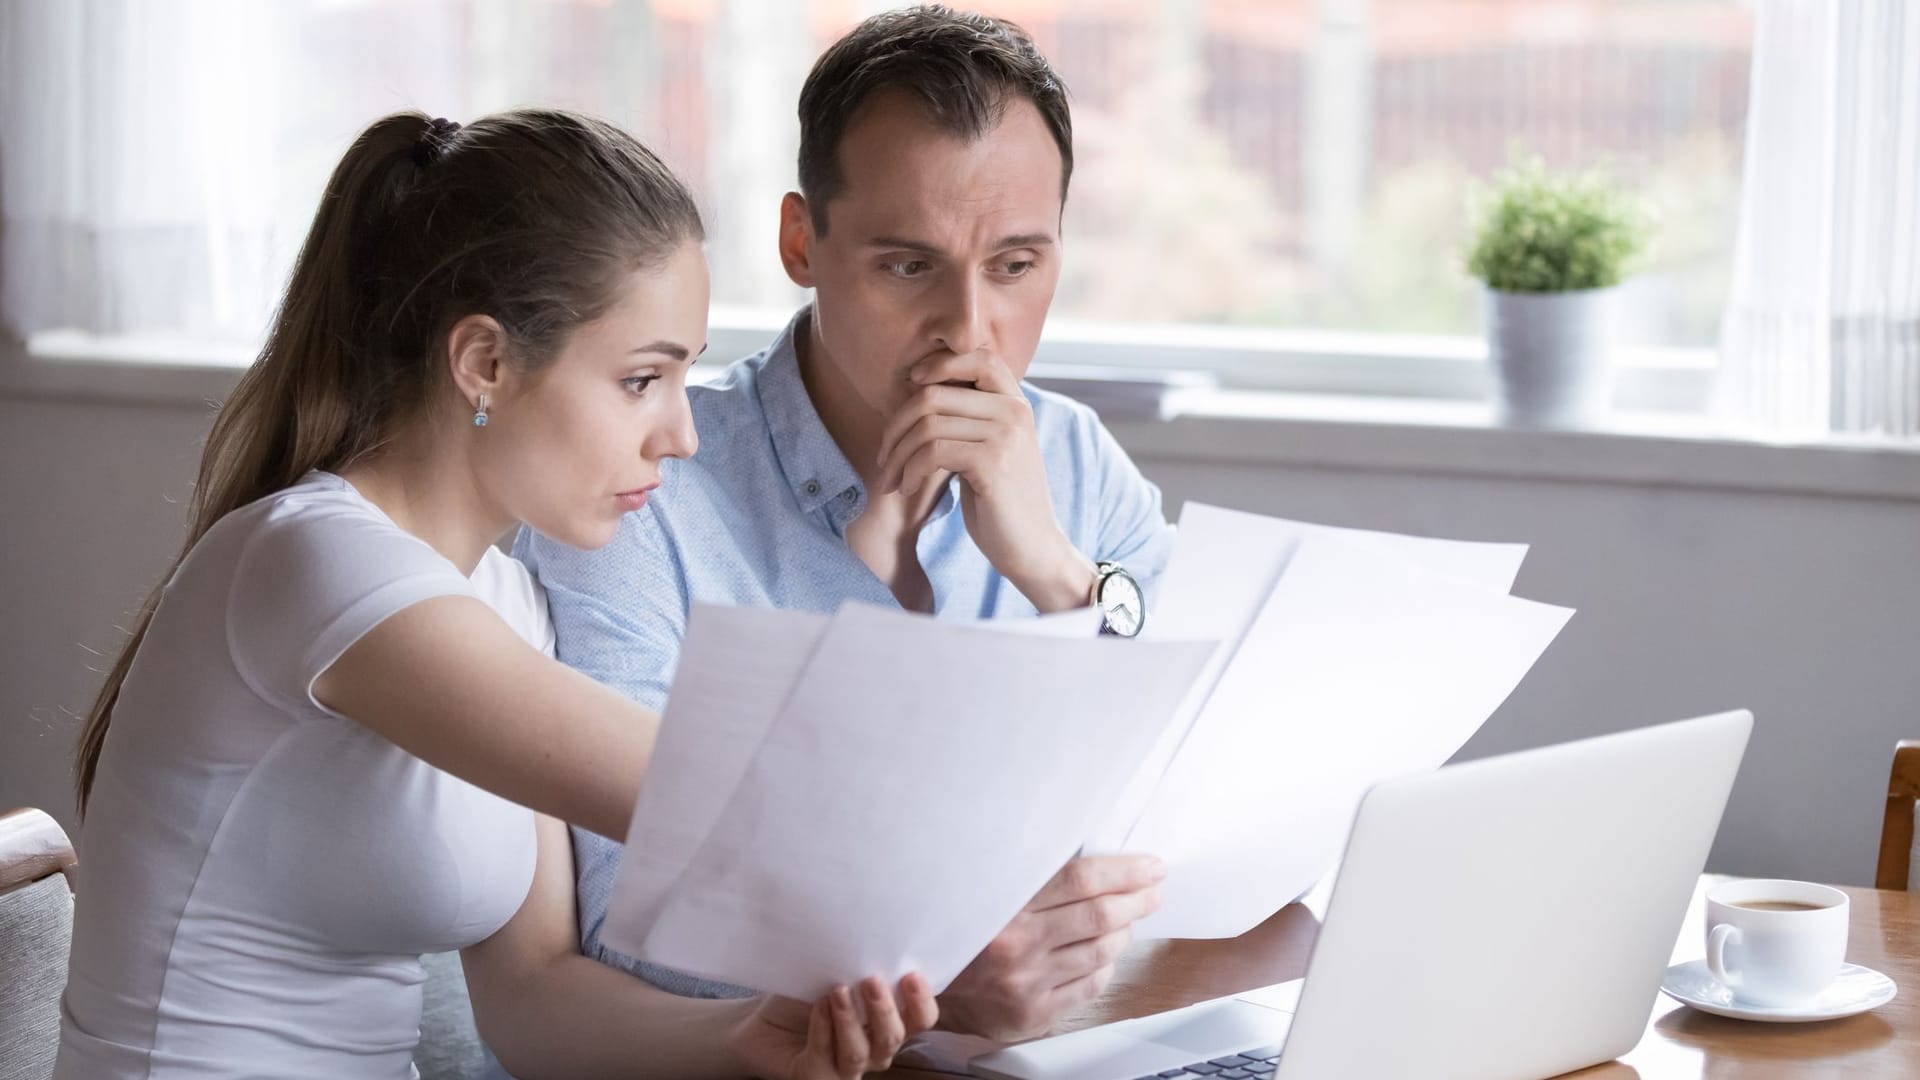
[1679,1042]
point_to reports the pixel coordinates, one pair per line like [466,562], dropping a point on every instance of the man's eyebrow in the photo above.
[1005,243]
[671,349]
[900,243]
[1024,240]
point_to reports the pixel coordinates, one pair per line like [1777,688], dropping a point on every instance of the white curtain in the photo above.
[160,162]
[135,146]
[1822,330]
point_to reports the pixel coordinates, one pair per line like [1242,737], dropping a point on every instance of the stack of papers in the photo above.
[1346,657]
[876,792]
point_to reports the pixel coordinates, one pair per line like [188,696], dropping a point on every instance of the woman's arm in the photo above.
[545,1010]
[449,682]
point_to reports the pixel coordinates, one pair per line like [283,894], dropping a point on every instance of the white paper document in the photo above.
[876,792]
[1359,666]
[737,667]
[1222,570]
[918,785]
[715,720]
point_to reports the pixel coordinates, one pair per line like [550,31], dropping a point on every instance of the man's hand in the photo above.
[1058,953]
[968,417]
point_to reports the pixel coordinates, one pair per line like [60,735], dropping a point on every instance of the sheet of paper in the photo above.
[1359,666]
[921,783]
[1224,564]
[716,717]
[1214,543]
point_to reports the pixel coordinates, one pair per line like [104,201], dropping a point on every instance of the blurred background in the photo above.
[1279,163]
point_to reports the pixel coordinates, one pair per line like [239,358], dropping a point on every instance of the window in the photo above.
[1290,173]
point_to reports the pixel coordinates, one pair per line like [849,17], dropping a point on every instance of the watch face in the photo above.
[1121,603]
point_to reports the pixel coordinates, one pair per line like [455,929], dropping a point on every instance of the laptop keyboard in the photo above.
[1245,1065]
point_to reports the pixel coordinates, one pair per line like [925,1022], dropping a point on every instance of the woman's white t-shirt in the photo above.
[259,876]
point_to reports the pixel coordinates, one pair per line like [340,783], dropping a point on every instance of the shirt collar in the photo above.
[818,473]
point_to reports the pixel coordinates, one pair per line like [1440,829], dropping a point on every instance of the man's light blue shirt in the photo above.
[759,517]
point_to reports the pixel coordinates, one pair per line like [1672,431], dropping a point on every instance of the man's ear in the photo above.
[796,239]
[476,358]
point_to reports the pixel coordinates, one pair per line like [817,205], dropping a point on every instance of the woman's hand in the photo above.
[786,1039]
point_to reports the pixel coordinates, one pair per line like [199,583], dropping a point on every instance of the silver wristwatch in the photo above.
[1123,610]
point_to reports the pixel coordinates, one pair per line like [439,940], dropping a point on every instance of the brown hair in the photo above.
[532,217]
[963,68]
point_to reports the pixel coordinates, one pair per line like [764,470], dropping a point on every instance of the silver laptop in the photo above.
[1509,917]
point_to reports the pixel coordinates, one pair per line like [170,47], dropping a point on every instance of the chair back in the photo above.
[36,927]
[1899,841]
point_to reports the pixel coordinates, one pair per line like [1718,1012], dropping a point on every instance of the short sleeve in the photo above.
[314,579]
[506,586]
[1134,531]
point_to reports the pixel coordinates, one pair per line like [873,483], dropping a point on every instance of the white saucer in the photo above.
[1855,991]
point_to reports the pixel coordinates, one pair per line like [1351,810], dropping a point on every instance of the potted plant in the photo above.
[1551,249]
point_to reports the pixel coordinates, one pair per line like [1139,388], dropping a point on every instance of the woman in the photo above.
[297,777]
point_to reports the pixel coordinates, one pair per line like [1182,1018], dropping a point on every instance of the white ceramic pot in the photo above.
[1551,356]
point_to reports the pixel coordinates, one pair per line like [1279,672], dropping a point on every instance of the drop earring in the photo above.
[480,412]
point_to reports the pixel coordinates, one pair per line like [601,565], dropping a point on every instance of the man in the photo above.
[883,448]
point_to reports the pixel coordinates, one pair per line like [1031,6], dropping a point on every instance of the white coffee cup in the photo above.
[1775,943]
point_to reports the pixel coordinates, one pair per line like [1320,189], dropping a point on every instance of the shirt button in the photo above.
[848,495]
[811,487]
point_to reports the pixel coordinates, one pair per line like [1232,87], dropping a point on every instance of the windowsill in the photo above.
[1462,438]
[1236,427]
[158,371]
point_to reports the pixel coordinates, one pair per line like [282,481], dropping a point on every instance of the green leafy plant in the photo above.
[1542,232]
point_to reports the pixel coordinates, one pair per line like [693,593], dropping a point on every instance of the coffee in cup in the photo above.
[1776,943]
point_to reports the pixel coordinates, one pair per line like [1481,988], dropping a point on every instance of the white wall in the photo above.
[1803,607]
[95,503]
